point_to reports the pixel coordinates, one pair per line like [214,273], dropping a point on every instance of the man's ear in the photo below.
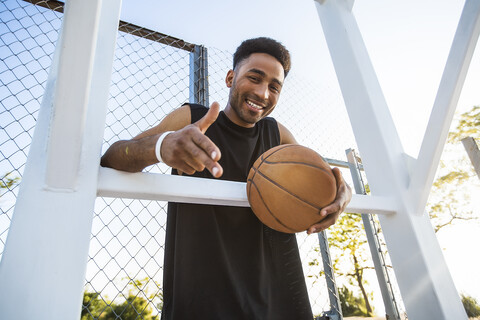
[229,78]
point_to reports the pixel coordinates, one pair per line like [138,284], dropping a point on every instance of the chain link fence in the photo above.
[150,78]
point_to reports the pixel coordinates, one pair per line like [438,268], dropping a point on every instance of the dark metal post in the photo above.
[199,76]
[473,153]
[335,312]
[391,309]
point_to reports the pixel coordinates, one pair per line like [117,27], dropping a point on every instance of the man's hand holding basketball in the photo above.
[190,150]
[333,211]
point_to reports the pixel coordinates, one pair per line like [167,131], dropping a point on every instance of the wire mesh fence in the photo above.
[150,78]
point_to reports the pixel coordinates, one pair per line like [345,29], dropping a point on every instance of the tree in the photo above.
[93,306]
[472,308]
[351,305]
[468,126]
[350,255]
[137,304]
[348,237]
[450,194]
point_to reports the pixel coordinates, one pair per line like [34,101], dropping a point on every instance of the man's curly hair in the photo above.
[263,45]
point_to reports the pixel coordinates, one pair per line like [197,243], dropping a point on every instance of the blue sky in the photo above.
[408,42]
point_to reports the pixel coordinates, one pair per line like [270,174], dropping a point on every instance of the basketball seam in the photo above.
[287,191]
[263,160]
[268,209]
[298,162]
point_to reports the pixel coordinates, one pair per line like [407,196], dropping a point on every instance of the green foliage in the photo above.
[451,192]
[132,308]
[7,182]
[349,245]
[471,306]
[93,306]
[468,126]
[137,304]
[352,305]
[349,249]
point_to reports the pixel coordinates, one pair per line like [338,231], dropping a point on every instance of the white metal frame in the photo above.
[47,245]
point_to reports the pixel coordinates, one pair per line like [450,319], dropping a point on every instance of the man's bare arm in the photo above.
[186,148]
[139,152]
[286,137]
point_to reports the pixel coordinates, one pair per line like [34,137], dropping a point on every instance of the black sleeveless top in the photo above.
[221,262]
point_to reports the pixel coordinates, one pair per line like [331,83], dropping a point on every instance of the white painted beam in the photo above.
[445,104]
[380,205]
[373,126]
[427,288]
[163,187]
[42,271]
[74,68]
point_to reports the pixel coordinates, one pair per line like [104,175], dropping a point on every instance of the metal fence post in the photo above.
[391,309]
[335,312]
[199,76]
[473,153]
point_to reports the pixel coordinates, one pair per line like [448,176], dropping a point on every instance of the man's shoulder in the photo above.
[195,106]
[197,111]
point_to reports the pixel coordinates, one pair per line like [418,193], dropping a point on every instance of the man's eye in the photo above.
[253,78]
[275,89]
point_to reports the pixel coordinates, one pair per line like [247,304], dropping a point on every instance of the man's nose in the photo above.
[262,91]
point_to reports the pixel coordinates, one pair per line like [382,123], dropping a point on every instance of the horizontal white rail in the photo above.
[164,187]
[372,204]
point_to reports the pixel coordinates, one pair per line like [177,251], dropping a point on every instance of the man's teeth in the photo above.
[256,106]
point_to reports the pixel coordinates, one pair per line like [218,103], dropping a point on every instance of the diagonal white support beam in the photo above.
[164,187]
[42,271]
[363,97]
[427,288]
[449,90]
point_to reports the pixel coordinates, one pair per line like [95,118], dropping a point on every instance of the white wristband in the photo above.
[158,145]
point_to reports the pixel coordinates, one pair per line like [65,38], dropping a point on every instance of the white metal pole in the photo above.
[42,272]
[427,288]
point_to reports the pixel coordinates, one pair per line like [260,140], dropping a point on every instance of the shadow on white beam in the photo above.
[164,187]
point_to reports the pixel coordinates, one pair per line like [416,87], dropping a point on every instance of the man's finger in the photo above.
[338,176]
[208,118]
[331,208]
[322,225]
[204,143]
[200,160]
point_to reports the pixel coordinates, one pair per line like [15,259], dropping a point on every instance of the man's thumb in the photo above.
[209,118]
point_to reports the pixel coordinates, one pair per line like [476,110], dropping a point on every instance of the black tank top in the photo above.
[221,262]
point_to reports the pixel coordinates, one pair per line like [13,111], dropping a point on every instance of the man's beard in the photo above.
[237,102]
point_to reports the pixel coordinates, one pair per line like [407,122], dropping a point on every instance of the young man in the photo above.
[221,262]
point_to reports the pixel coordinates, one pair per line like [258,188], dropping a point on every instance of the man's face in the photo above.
[255,87]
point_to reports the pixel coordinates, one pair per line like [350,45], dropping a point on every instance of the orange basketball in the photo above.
[288,186]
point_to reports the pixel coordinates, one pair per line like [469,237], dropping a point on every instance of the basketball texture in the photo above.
[287,187]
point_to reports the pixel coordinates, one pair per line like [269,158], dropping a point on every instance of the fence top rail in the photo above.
[126,27]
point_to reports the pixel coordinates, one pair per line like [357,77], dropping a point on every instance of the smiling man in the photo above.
[221,262]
